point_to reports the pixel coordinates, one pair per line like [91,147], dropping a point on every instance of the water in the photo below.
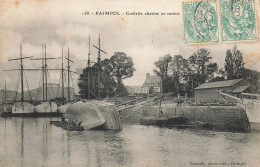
[34,142]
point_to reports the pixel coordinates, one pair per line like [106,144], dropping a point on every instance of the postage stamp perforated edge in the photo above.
[218,2]
[256,5]
[183,23]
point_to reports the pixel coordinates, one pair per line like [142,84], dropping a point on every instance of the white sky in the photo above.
[144,38]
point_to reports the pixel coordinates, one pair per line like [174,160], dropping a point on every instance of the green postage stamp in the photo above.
[201,22]
[237,19]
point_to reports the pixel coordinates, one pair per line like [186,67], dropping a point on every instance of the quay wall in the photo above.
[219,117]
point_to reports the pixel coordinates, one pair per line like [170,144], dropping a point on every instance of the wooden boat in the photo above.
[193,125]
[67,126]
[163,121]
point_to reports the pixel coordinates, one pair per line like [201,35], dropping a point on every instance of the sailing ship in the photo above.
[22,107]
[46,107]
[62,108]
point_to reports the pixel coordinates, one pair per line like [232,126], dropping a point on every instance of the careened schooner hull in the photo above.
[62,109]
[22,108]
[46,108]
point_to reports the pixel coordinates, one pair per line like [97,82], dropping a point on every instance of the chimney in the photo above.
[147,75]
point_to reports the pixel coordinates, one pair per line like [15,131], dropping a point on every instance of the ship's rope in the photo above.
[17,85]
[51,86]
[36,98]
[58,85]
[73,84]
[28,86]
[93,94]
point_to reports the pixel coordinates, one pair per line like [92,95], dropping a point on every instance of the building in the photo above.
[209,92]
[134,90]
[152,83]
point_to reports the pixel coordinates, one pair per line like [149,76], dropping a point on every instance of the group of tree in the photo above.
[180,75]
[112,72]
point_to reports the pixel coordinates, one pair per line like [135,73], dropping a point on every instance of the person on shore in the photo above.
[79,124]
[62,119]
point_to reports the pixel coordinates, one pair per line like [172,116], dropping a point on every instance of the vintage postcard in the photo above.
[129,83]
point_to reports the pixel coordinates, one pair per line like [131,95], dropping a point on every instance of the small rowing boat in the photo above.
[67,126]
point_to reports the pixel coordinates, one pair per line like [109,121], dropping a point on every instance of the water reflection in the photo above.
[34,142]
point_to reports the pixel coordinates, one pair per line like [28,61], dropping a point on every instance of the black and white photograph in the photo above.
[129,83]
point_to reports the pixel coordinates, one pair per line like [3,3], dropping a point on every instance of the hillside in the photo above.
[36,94]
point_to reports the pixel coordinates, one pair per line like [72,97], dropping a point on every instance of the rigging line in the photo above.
[36,98]
[58,85]
[72,82]
[17,86]
[50,85]
[28,87]
[65,78]
[93,94]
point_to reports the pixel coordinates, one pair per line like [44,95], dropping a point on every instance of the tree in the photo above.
[201,66]
[122,67]
[233,63]
[179,67]
[108,83]
[163,69]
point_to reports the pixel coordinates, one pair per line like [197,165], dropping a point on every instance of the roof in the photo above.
[152,80]
[219,84]
[240,89]
[134,89]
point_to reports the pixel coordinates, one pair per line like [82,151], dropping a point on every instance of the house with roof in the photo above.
[209,92]
[152,82]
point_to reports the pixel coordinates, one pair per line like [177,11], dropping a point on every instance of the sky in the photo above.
[144,38]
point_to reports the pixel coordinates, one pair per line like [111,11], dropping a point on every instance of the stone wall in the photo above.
[218,117]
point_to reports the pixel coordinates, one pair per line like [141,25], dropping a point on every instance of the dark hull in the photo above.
[67,126]
[163,121]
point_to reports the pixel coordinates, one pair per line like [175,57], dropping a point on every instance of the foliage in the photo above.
[162,69]
[112,72]
[179,67]
[121,91]
[122,67]
[234,63]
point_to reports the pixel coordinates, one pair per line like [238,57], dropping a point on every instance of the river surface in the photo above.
[33,142]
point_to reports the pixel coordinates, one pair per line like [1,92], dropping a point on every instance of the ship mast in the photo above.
[62,74]
[99,64]
[22,97]
[44,72]
[5,90]
[68,74]
[88,67]
[46,86]
[21,70]
[43,97]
